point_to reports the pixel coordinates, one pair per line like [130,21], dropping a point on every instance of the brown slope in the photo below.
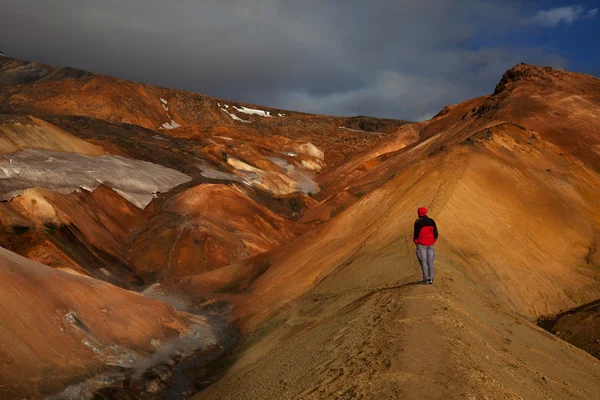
[79,234]
[19,132]
[275,155]
[559,107]
[517,221]
[352,324]
[58,328]
[490,188]
[85,232]
[207,227]
[579,326]
[46,91]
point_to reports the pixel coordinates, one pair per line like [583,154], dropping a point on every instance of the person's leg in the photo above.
[430,259]
[422,257]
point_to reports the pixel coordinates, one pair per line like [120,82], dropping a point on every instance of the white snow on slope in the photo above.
[210,173]
[360,131]
[301,181]
[136,181]
[247,110]
[235,117]
[170,125]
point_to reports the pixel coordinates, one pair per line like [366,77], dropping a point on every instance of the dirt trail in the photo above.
[378,339]
[369,331]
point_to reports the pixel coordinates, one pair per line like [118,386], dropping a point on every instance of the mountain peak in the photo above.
[523,71]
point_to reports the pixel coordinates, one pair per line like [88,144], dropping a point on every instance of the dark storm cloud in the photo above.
[386,58]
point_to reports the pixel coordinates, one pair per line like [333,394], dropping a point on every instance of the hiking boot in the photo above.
[430,282]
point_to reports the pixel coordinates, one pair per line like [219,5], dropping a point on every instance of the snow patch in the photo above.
[289,153]
[71,317]
[170,125]
[135,180]
[253,111]
[359,130]
[165,102]
[302,182]
[281,115]
[235,117]
[214,174]
[165,107]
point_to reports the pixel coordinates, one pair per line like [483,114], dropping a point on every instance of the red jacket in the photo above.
[425,231]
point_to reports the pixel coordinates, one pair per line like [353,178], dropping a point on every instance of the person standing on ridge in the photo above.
[425,235]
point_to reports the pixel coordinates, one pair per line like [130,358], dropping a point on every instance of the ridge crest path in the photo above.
[391,338]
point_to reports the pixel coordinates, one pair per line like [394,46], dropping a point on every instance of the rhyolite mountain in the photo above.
[122,200]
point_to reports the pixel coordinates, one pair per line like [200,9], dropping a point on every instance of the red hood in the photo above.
[422,211]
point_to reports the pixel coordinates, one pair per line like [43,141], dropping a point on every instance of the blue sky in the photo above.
[402,59]
[578,42]
[571,29]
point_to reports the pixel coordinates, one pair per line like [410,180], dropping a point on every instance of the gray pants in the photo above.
[426,254]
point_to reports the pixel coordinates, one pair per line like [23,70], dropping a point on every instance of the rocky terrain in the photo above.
[134,215]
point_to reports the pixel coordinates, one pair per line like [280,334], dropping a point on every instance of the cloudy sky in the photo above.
[389,58]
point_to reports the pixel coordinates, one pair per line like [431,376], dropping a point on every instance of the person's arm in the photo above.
[416,232]
[435,231]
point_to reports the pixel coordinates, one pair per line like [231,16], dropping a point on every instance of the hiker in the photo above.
[425,235]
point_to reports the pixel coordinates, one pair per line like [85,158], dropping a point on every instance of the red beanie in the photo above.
[422,211]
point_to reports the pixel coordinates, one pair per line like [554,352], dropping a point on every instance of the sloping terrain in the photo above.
[132,184]
[45,91]
[517,211]
[297,229]
[142,141]
[58,328]
[579,326]
[24,132]
[85,232]
[491,178]
[207,227]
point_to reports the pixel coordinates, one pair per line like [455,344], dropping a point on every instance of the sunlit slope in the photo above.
[355,324]
[517,218]
[58,328]
[337,314]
